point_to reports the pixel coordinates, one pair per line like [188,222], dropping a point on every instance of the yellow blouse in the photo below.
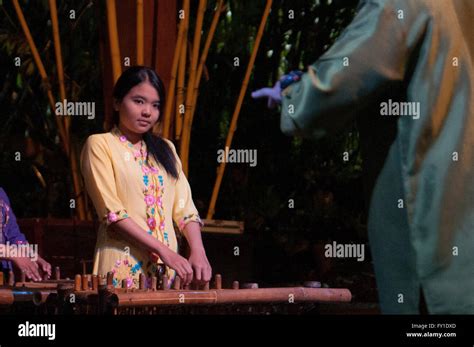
[122,184]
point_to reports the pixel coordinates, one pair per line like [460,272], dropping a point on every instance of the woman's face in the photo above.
[139,110]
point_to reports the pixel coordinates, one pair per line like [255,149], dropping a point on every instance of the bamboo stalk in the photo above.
[180,88]
[59,61]
[76,179]
[174,67]
[67,120]
[140,37]
[42,72]
[184,148]
[205,51]
[114,40]
[235,116]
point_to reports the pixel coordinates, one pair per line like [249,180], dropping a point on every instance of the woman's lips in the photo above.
[143,122]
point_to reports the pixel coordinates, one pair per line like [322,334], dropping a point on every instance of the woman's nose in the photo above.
[146,111]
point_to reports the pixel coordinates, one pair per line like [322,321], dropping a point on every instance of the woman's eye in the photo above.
[138,101]
[156,105]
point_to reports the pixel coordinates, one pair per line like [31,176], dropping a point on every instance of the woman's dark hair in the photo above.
[156,145]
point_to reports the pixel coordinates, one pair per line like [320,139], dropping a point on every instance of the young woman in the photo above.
[138,188]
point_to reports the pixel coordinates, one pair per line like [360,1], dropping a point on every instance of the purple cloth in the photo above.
[9,230]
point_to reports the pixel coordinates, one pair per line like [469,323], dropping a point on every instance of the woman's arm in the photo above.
[197,259]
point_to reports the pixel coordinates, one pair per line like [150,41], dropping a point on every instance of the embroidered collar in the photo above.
[137,154]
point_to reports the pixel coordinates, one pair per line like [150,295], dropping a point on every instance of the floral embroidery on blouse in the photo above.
[189,218]
[153,190]
[112,217]
[131,270]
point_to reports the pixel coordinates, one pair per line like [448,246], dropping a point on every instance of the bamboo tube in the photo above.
[174,67]
[42,71]
[140,37]
[41,296]
[218,280]
[95,283]
[42,285]
[110,278]
[231,296]
[85,282]
[114,40]
[235,116]
[57,273]
[184,147]
[6,297]
[180,88]
[78,283]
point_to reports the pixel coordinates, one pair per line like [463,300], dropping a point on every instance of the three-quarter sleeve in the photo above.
[370,56]
[11,230]
[97,170]
[184,210]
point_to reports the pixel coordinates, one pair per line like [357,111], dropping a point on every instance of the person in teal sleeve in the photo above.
[421,217]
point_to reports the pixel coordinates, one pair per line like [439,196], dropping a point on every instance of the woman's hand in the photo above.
[176,262]
[44,266]
[29,267]
[197,259]
[200,264]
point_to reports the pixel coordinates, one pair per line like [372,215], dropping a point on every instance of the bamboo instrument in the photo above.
[41,296]
[235,116]
[230,296]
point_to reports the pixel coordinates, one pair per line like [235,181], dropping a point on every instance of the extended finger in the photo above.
[207,274]
[189,273]
[197,273]
[262,93]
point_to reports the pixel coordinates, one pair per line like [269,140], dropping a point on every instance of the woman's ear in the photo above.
[116,105]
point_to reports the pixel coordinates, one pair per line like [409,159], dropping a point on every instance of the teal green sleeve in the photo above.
[370,55]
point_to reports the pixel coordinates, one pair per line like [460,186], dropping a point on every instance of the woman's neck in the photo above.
[134,138]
